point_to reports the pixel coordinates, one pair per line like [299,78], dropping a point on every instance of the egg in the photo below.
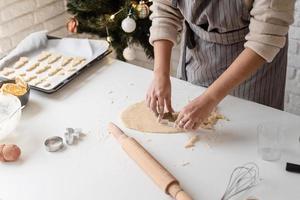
[9,152]
[1,156]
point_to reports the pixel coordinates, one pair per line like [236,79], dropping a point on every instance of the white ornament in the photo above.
[128,24]
[129,53]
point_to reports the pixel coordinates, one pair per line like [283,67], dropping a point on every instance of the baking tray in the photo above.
[72,75]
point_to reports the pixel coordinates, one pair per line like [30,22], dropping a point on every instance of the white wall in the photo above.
[18,18]
[293,76]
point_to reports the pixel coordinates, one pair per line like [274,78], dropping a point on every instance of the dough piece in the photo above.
[20,82]
[72,69]
[37,81]
[2,73]
[44,55]
[18,65]
[22,74]
[32,67]
[77,61]
[212,120]
[53,58]
[24,59]
[54,71]
[47,84]
[7,71]
[185,164]
[43,69]
[140,117]
[21,62]
[66,60]
[192,141]
[30,78]
[11,76]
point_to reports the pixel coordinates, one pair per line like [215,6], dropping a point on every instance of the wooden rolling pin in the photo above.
[162,178]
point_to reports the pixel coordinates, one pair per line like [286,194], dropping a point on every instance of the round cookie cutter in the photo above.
[54,144]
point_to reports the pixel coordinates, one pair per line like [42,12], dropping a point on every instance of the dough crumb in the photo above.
[252,198]
[192,141]
[185,164]
[210,122]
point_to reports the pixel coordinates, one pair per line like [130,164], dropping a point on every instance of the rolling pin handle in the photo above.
[116,131]
[182,195]
[177,192]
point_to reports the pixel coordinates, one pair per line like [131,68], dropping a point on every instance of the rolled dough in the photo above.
[139,117]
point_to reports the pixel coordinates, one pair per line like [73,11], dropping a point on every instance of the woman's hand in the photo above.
[159,94]
[198,110]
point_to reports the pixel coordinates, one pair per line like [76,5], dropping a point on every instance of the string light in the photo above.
[108,37]
[113,16]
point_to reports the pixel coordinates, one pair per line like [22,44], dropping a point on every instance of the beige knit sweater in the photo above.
[269,24]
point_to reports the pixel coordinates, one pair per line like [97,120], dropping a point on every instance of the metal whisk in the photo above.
[242,179]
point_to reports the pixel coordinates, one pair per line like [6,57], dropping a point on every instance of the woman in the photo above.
[236,47]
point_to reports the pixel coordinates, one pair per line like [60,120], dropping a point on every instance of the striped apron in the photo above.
[213,36]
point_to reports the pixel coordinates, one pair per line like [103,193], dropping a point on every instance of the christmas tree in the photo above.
[122,22]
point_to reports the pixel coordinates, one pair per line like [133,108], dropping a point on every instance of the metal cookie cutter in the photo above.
[72,135]
[168,119]
[54,144]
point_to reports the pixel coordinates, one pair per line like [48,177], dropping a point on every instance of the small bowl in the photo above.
[9,114]
[23,98]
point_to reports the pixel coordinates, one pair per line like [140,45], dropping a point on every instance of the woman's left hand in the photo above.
[198,110]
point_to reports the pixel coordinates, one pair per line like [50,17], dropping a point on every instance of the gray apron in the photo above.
[213,36]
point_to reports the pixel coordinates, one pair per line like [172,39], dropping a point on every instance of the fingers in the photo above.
[189,125]
[148,100]
[182,121]
[153,105]
[169,105]
[187,122]
[157,104]
[180,116]
[161,105]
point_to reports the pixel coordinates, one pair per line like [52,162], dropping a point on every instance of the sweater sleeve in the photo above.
[166,21]
[269,25]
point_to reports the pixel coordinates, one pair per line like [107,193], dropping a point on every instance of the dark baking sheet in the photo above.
[73,76]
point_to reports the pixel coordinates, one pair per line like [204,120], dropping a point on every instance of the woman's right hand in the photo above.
[158,97]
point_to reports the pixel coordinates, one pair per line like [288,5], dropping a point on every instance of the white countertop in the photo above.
[97,167]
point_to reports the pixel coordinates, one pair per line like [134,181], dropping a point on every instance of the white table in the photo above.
[97,168]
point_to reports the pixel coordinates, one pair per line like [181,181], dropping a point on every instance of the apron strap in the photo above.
[183,74]
[190,40]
